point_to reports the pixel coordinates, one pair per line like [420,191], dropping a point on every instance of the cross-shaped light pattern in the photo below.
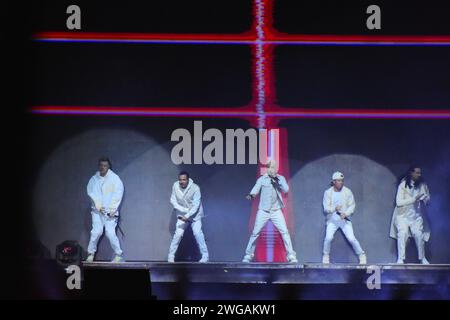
[262,112]
[262,38]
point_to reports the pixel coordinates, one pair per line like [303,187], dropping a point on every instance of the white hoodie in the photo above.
[105,192]
[188,200]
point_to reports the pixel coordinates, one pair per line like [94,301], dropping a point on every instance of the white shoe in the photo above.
[424,261]
[326,259]
[90,258]
[362,258]
[171,259]
[400,261]
[117,259]
[204,259]
[247,259]
[292,259]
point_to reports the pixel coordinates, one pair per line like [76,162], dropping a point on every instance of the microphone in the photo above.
[275,182]
[339,214]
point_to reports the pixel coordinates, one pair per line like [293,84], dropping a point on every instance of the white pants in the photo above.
[100,221]
[277,218]
[347,228]
[403,223]
[198,234]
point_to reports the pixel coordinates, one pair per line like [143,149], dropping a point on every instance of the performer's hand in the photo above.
[418,197]
[338,208]
[343,216]
[183,218]
[275,182]
[249,196]
[102,210]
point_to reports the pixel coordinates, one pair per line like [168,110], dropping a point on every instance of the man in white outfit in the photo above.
[105,190]
[339,205]
[407,220]
[186,202]
[270,185]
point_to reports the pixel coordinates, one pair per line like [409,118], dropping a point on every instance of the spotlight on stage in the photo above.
[68,253]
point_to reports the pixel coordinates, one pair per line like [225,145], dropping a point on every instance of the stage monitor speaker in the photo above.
[68,253]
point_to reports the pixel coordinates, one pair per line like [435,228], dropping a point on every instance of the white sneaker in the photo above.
[424,261]
[400,261]
[247,259]
[326,259]
[90,258]
[204,259]
[292,259]
[362,258]
[117,259]
[171,259]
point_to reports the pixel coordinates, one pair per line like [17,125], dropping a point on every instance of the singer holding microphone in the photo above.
[408,218]
[339,205]
[187,204]
[270,186]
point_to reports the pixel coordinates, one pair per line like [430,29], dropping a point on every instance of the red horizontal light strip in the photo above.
[163,37]
[361,114]
[243,112]
[273,37]
[276,36]
[145,111]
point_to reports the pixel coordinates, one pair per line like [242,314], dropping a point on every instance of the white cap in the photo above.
[337,175]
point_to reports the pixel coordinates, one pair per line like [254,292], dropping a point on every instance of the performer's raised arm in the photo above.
[283,184]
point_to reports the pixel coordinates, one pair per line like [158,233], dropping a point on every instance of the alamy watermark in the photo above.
[74,279]
[374,280]
[236,146]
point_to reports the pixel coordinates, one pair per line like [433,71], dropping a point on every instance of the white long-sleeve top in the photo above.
[270,197]
[408,209]
[187,201]
[347,202]
[407,196]
[105,192]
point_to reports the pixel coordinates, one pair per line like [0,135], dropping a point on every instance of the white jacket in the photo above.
[264,185]
[105,192]
[405,201]
[348,202]
[187,201]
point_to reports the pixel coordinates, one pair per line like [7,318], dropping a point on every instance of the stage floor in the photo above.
[283,273]
[272,281]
